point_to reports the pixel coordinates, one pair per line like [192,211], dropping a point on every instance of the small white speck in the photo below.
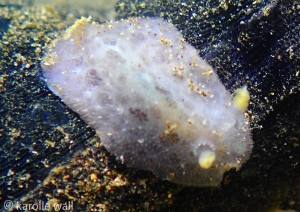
[34,152]
[122,158]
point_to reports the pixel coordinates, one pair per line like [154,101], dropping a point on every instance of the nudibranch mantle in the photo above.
[155,104]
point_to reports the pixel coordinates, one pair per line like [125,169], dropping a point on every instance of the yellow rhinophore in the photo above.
[206,159]
[242,98]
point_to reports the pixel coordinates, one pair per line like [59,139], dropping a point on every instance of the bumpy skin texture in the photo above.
[154,102]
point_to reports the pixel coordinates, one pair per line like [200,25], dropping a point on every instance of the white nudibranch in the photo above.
[155,104]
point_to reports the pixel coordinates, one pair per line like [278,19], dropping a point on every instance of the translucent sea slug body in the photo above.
[154,102]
